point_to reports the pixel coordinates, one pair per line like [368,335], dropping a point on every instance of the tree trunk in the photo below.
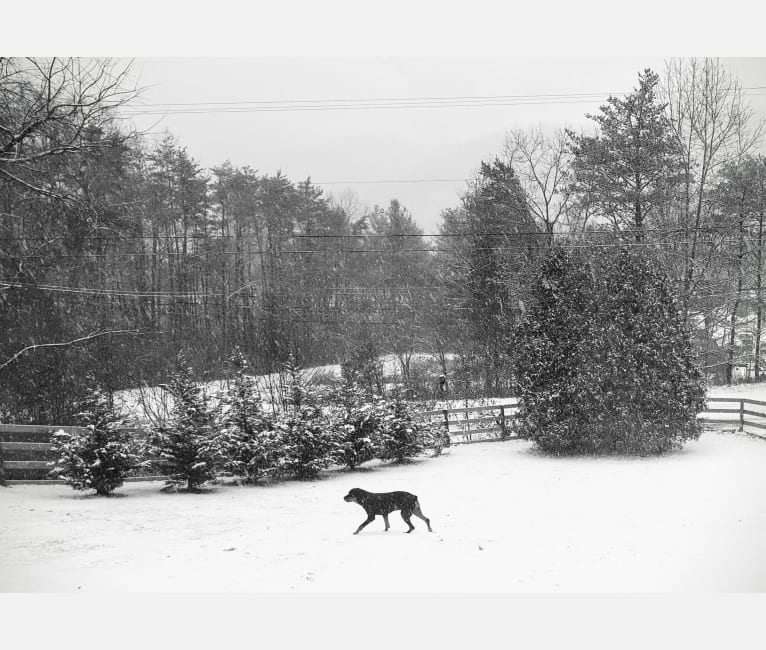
[733,326]
[732,333]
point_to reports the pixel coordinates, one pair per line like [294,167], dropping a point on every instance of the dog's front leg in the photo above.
[385,520]
[369,520]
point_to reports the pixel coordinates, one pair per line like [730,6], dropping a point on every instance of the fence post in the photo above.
[741,415]
[503,432]
[445,412]
[3,481]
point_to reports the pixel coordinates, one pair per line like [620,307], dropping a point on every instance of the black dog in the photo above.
[385,503]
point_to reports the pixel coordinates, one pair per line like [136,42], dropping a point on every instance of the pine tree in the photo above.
[492,238]
[628,171]
[100,458]
[246,436]
[305,441]
[401,437]
[603,359]
[359,417]
[187,447]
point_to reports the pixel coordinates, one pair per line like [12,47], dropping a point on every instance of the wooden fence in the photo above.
[478,423]
[25,450]
[736,413]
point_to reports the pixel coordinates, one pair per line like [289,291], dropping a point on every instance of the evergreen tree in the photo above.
[604,361]
[359,417]
[99,458]
[402,437]
[305,441]
[488,244]
[306,444]
[186,447]
[246,436]
[627,172]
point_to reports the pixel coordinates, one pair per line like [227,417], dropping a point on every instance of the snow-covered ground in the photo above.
[505,519]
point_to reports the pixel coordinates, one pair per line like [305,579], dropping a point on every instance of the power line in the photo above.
[200,298]
[383,252]
[539,233]
[374,99]
[416,180]
[464,101]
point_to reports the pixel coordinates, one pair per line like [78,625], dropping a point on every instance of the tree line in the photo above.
[116,253]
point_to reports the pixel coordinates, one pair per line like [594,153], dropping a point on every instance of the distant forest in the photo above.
[117,252]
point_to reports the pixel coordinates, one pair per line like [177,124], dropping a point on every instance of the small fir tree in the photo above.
[305,441]
[359,417]
[100,457]
[246,437]
[187,447]
[401,437]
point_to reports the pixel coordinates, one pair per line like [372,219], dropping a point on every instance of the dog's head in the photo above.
[353,495]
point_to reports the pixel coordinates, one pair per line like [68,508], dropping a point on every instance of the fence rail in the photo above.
[497,423]
[26,450]
[740,411]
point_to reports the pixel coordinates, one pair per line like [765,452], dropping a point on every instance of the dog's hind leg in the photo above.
[418,513]
[369,520]
[385,520]
[406,516]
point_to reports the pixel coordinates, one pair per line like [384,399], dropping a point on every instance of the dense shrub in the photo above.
[603,360]
[187,447]
[100,457]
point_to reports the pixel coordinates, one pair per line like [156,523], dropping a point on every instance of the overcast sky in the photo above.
[339,148]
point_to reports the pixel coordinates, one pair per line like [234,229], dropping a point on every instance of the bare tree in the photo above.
[541,164]
[50,107]
[711,123]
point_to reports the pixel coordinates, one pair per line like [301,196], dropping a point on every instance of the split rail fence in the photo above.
[25,450]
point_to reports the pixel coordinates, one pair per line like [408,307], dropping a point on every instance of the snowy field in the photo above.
[505,519]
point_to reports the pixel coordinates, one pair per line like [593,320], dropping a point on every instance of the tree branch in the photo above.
[65,344]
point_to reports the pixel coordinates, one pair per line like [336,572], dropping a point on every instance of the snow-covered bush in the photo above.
[603,360]
[100,457]
[187,447]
